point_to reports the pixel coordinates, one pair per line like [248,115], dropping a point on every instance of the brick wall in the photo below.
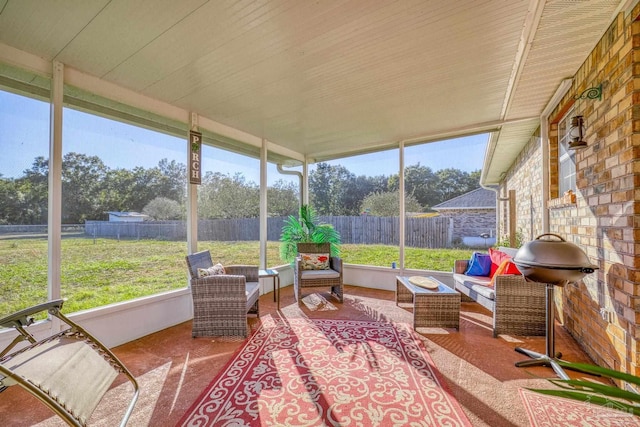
[471,222]
[525,177]
[602,310]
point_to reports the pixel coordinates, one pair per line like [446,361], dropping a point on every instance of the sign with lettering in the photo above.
[195,151]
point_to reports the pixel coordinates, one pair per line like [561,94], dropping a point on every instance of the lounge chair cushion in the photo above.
[253,293]
[320,274]
[477,284]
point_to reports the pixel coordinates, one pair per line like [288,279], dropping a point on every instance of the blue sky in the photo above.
[24,134]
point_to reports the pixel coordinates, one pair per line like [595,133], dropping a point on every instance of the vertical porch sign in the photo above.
[195,165]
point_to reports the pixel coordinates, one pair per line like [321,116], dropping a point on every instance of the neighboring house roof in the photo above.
[479,198]
[128,214]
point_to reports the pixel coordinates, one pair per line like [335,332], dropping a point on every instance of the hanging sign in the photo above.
[195,147]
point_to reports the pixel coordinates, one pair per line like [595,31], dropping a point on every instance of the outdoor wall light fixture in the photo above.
[577,133]
[577,122]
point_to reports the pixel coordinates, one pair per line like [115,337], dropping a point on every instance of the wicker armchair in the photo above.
[331,278]
[221,302]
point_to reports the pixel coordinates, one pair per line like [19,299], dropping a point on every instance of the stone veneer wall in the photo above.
[602,310]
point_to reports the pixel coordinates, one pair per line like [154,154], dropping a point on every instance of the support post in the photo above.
[512,218]
[192,197]
[55,182]
[402,216]
[263,205]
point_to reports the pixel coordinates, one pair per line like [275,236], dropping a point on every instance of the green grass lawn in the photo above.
[104,271]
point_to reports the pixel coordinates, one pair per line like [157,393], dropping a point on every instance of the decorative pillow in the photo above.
[314,261]
[211,271]
[506,267]
[479,265]
[496,259]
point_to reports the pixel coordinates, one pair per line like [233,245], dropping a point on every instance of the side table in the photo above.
[276,283]
[431,308]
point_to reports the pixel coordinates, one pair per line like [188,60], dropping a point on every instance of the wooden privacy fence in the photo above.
[434,232]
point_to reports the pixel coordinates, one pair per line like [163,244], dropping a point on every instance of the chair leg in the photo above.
[337,291]
[255,309]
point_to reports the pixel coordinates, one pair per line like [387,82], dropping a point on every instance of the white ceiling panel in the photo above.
[122,39]
[327,77]
[43,28]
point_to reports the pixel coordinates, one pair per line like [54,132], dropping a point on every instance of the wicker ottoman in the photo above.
[431,308]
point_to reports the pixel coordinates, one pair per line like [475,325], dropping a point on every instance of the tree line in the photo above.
[90,189]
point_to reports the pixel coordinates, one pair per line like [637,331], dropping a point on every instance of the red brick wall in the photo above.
[601,311]
[526,179]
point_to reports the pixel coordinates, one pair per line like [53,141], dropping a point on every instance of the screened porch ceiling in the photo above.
[327,78]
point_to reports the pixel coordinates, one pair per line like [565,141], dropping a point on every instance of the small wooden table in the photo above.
[431,308]
[276,283]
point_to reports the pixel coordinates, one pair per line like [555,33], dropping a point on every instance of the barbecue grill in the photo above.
[554,263]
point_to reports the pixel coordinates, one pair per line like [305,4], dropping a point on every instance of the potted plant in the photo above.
[307,228]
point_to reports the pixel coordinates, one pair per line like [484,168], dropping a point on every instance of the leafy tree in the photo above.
[419,181]
[282,198]
[329,188]
[118,191]
[361,187]
[173,185]
[32,197]
[474,179]
[90,189]
[228,196]
[83,179]
[9,195]
[388,204]
[422,183]
[455,182]
[162,209]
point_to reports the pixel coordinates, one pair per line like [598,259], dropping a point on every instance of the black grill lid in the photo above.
[553,254]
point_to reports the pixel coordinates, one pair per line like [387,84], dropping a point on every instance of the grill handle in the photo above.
[551,234]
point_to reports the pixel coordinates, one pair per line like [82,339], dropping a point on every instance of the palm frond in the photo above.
[596,393]
[593,399]
[306,228]
[597,370]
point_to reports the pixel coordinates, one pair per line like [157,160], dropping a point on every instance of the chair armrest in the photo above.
[22,317]
[460,266]
[221,285]
[520,306]
[335,263]
[249,271]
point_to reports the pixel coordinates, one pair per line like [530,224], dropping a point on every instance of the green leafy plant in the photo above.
[307,228]
[506,241]
[597,393]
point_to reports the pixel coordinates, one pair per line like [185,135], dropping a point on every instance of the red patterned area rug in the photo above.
[309,372]
[550,411]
